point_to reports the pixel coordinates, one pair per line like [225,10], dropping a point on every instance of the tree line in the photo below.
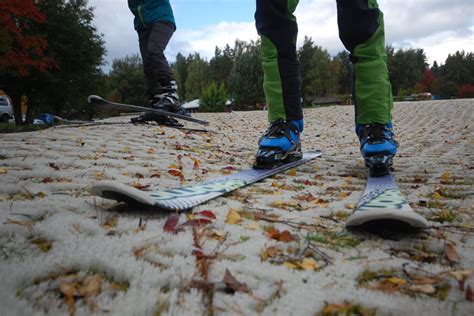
[51,56]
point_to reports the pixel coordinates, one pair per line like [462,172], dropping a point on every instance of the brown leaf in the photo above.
[176,173]
[233,285]
[47,180]
[450,252]
[233,217]
[69,290]
[469,294]
[139,186]
[91,286]
[305,197]
[285,236]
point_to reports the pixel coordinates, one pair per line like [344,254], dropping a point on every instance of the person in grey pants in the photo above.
[155,25]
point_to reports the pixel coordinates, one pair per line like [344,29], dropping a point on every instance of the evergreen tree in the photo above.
[213,98]
[246,77]
[128,80]
[195,80]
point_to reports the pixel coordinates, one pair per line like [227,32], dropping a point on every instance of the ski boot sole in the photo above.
[278,159]
[379,165]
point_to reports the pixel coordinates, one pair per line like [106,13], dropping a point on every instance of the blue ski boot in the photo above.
[378,147]
[280,144]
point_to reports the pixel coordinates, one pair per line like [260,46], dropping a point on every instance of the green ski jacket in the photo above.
[147,12]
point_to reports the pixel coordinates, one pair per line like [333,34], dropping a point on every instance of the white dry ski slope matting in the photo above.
[278,247]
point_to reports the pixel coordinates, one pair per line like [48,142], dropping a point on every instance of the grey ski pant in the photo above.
[153,41]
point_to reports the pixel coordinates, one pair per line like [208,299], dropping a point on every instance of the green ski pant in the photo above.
[361,30]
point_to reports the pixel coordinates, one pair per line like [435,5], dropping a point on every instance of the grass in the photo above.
[13,128]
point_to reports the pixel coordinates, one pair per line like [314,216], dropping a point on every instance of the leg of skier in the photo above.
[361,29]
[278,29]
[162,89]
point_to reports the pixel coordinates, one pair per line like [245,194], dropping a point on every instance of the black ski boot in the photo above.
[280,144]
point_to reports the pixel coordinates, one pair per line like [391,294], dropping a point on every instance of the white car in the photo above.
[6,109]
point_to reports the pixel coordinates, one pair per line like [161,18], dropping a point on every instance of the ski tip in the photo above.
[392,218]
[93,98]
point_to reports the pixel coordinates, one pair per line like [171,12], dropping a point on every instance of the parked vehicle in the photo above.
[6,109]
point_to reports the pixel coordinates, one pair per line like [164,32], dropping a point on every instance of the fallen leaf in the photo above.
[292,172]
[309,264]
[396,281]
[425,289]
[69,291]
[436,196]
[197,222]
[269,252]
[91,286]
[171,222]
[233,217]
[233,285]
[196,164]
[445,177]
[344,194]
[253,226]
[3,171]
[45,180]
[285,236]
[207,214]
[139,186]
[305,197]
[450,252]
[217,234]
[177,173]
[469,294]
[290,265]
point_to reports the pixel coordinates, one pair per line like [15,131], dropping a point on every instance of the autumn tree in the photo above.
[22,50]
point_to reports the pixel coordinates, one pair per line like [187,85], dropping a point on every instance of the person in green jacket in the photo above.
[361,30]
[155,24]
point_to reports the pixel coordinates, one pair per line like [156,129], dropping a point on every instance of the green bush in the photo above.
[213,98]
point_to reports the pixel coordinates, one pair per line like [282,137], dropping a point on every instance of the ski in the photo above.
[382,200]
[180,199]
[70,124]
[99,101]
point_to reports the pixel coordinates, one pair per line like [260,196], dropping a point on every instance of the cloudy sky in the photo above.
[439,27]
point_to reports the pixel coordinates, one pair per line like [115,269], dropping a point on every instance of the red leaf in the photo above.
[207,214]
[171,222]
[469,294]
[229,168]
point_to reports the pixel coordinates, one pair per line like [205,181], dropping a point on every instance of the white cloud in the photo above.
[439,27]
